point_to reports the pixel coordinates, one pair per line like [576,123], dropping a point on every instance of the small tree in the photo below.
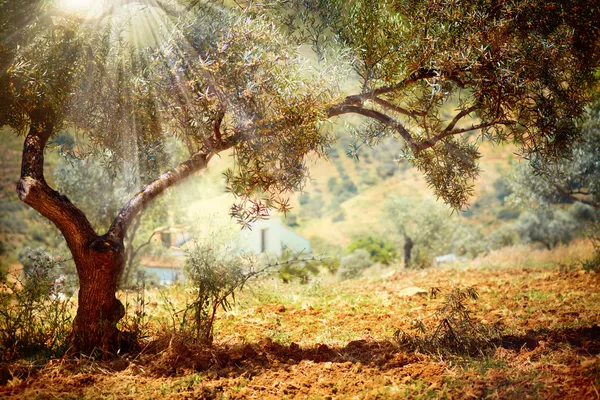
[547,227]
[379,250]
[216,272]
[423,226]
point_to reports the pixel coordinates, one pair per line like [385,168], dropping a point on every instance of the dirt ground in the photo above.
[334,340]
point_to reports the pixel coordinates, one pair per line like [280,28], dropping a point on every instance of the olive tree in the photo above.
[575,178]
[217,79]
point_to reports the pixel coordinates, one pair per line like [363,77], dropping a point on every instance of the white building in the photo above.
[271,236]
[266,236]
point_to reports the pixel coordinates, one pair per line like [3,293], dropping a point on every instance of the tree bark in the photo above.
[98,261]
[99,267]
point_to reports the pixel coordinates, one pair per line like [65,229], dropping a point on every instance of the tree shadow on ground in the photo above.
[384,355]
[173,356]
[585,340]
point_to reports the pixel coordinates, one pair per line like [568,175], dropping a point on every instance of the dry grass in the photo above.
[526,256]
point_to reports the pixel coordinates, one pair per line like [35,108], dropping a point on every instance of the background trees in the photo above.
[576,178]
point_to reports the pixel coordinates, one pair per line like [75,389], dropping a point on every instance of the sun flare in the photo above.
[86,7]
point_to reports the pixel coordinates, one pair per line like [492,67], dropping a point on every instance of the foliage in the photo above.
[294,267]
[313,206]
[547,227]
[94,189]
[35,317]
[353,265]
[574,179]
[452,329]
[469,240]
[426,222]
[215,272]
[332,264]
[504,236]
[519,71]
[379,250]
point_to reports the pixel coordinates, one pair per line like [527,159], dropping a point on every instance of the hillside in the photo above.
[343,199]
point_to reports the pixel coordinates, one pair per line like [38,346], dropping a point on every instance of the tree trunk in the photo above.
[99,268]
[408,245]
[99,259]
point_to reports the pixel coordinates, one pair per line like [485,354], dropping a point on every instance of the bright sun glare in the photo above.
[79,6]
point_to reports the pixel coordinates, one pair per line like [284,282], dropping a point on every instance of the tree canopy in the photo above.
[435,73]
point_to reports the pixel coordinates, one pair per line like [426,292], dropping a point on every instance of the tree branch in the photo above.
[341,109]
[460,116]
[572,195]
[413,78]
[141,200]
[398,109]
[445,133]
[33,190]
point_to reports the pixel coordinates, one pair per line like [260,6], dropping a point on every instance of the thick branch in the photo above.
[33,190]
[460,116]
[340,109]
[141,200]
[398,109]
[413,78]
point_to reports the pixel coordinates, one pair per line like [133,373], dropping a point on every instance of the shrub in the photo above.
[292,267]
[387,170]
[35,319]
[503,188]
[313,208]
[353,265]
[506,235]
[547,227]
[379,250]
[339,217]
[452,329]
[508,213]
[367,179]
[216,272]
[583,213]
[469,241]
[332,264]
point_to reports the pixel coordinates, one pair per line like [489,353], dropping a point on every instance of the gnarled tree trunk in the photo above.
[99,259]
[99,267]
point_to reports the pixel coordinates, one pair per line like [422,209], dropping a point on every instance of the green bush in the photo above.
[353,265]
[468,240]
[508,213]
[216,272]
[583,213]
[547,227]
[292,267]
[506,235]
[35,319]
[313,208]
[379,250]
[332,264]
